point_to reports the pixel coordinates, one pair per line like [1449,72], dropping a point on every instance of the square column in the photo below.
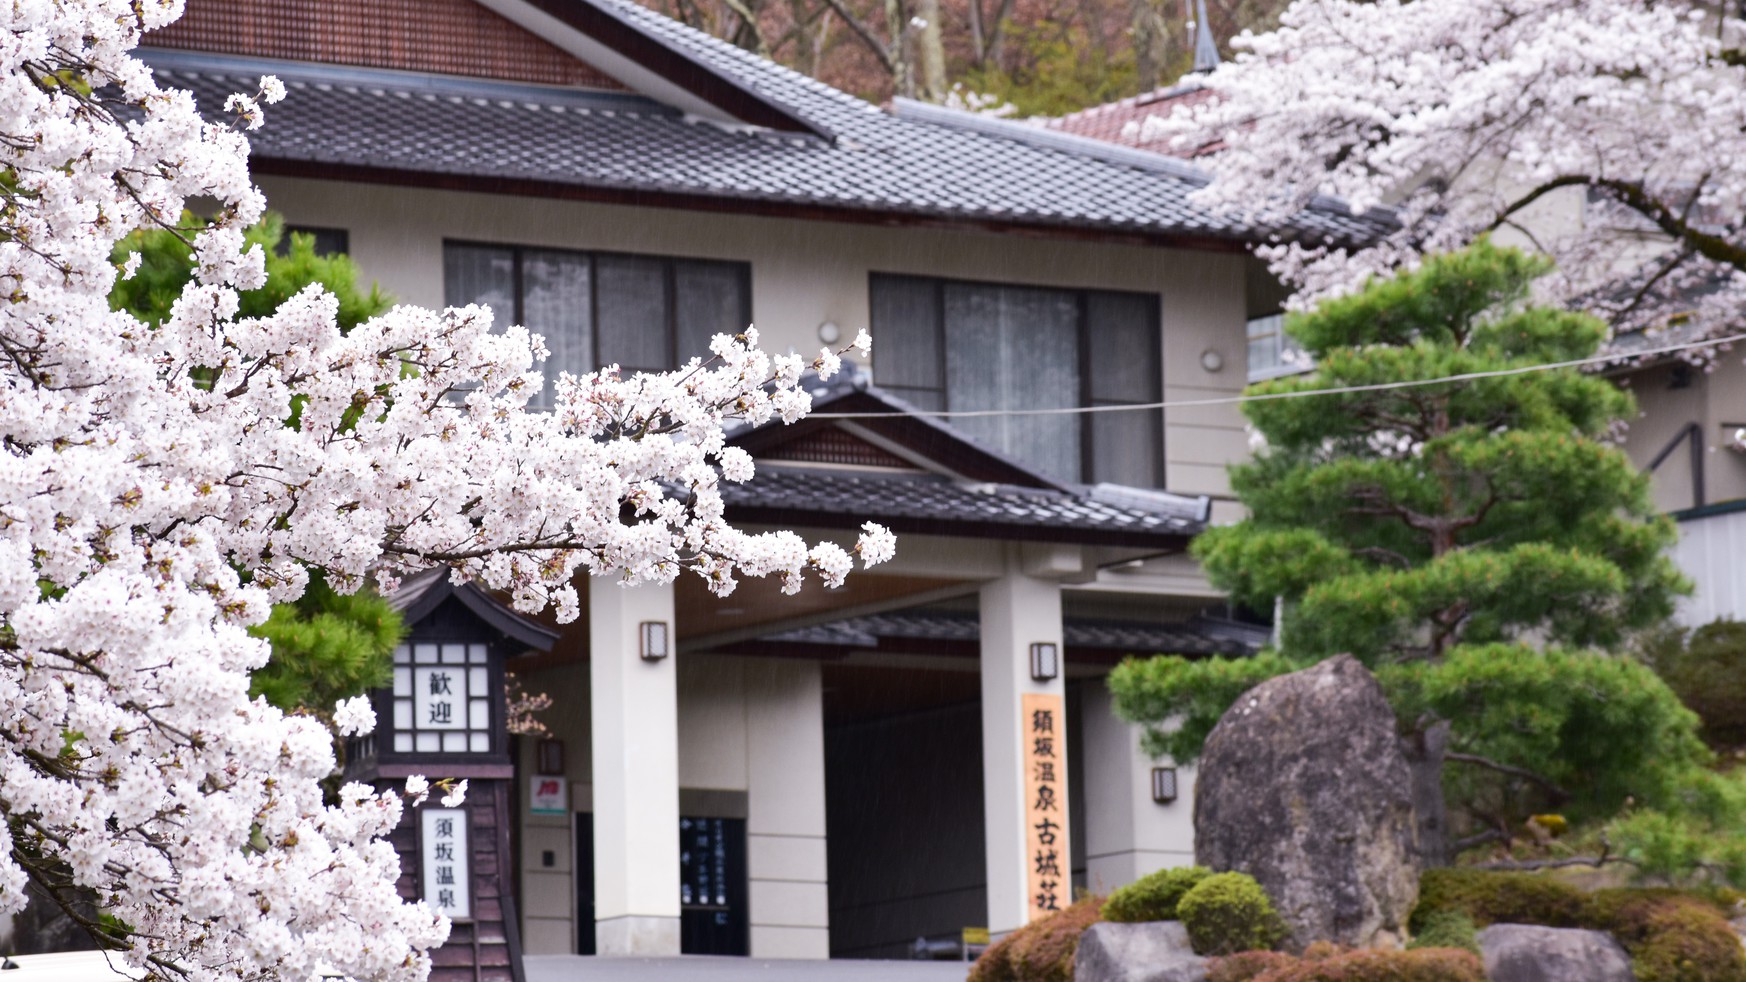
[785,828]
[1127,834]
[1024,753]
[636,772]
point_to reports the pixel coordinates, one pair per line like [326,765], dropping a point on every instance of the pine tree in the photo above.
[1481,543]
[327,646]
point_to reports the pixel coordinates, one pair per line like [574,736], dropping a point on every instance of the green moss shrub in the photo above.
[1446,929]
[1672,936]
[1339,965]
[1229,912]
[1041,951]
[1153,897]
[1489,897]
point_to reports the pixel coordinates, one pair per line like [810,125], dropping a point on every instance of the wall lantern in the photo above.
[652,640]
[549,756]
[1045,661]
[1163,785]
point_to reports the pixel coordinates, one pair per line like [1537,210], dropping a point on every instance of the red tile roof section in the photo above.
[446,37]
[1122,121]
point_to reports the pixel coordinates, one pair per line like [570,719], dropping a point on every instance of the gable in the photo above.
[445,37]
[833,445]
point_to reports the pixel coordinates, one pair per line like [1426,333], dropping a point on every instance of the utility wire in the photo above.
[1301,393]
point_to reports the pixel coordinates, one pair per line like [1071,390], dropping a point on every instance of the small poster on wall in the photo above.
[546,796]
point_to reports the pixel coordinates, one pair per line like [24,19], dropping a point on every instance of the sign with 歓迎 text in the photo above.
[446,864]
[439,697]
[1044,735]
[545,796]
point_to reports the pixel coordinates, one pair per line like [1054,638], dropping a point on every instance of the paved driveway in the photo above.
[700,968]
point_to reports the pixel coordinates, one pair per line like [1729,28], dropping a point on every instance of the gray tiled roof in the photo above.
[932,504]
[1196,637]
[866,160]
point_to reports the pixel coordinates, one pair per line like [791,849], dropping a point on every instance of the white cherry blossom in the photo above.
[1606,133]
[154,503]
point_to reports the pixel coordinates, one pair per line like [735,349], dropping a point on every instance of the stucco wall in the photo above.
[1716,401]
[751,742]
[805,273]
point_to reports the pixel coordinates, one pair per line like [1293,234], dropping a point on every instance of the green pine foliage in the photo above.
[167,264]
[1481,543]
[327,646]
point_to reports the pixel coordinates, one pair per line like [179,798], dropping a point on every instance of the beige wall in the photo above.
[751,737]
[1716,401]
[805,273]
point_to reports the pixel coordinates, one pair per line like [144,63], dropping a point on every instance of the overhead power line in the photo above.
[1299,394]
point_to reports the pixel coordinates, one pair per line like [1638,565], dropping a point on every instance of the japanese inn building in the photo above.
[839,773]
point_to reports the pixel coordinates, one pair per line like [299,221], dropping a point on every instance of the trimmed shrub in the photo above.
[1672,936]
[1446,929]
[1363,965]
[1041,951]
[1153,897]
[1246,966]
[1488,897]
[1229,912]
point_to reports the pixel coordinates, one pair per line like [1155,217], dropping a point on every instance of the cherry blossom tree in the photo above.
[162,486]
[1606,133]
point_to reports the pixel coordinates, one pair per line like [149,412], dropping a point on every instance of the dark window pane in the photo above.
[708,299]
[482,275]
[1127,447]
[554,303]
[1122,341]
[632,326]
[906,333]
[1016,348]
[328,241]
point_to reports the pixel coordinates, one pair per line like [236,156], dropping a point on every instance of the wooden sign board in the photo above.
[447,863]
[1048,863]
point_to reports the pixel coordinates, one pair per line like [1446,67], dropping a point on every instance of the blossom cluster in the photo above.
[162,487]
[1605,133]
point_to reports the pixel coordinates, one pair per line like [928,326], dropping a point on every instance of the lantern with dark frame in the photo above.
[1163,785]
[443,717]
[1045,661]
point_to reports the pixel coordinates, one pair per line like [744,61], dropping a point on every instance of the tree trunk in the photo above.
[1150,36]
[1424,750]
[930,51]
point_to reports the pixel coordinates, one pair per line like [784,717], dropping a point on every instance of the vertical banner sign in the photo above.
[1045,751]
[447,868]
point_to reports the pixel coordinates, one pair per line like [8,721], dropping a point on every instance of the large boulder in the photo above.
[1529,953]
[1304,786]
[1152,951]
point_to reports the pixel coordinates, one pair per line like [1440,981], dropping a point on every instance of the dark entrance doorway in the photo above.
[713,915]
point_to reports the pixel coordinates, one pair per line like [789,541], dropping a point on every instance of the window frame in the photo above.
[1081,299]
[669,289]
[1281,342]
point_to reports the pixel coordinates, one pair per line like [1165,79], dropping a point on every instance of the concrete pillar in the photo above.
[1127,834]
[785,825]
[636,773]
[1018,610]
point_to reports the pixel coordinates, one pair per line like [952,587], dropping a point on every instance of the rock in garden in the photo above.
[1528,953]
[1153,951]
[1303,785]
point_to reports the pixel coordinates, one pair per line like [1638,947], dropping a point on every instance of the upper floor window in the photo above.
[950,345]
[1272,352]
[328,241]
[642,313]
